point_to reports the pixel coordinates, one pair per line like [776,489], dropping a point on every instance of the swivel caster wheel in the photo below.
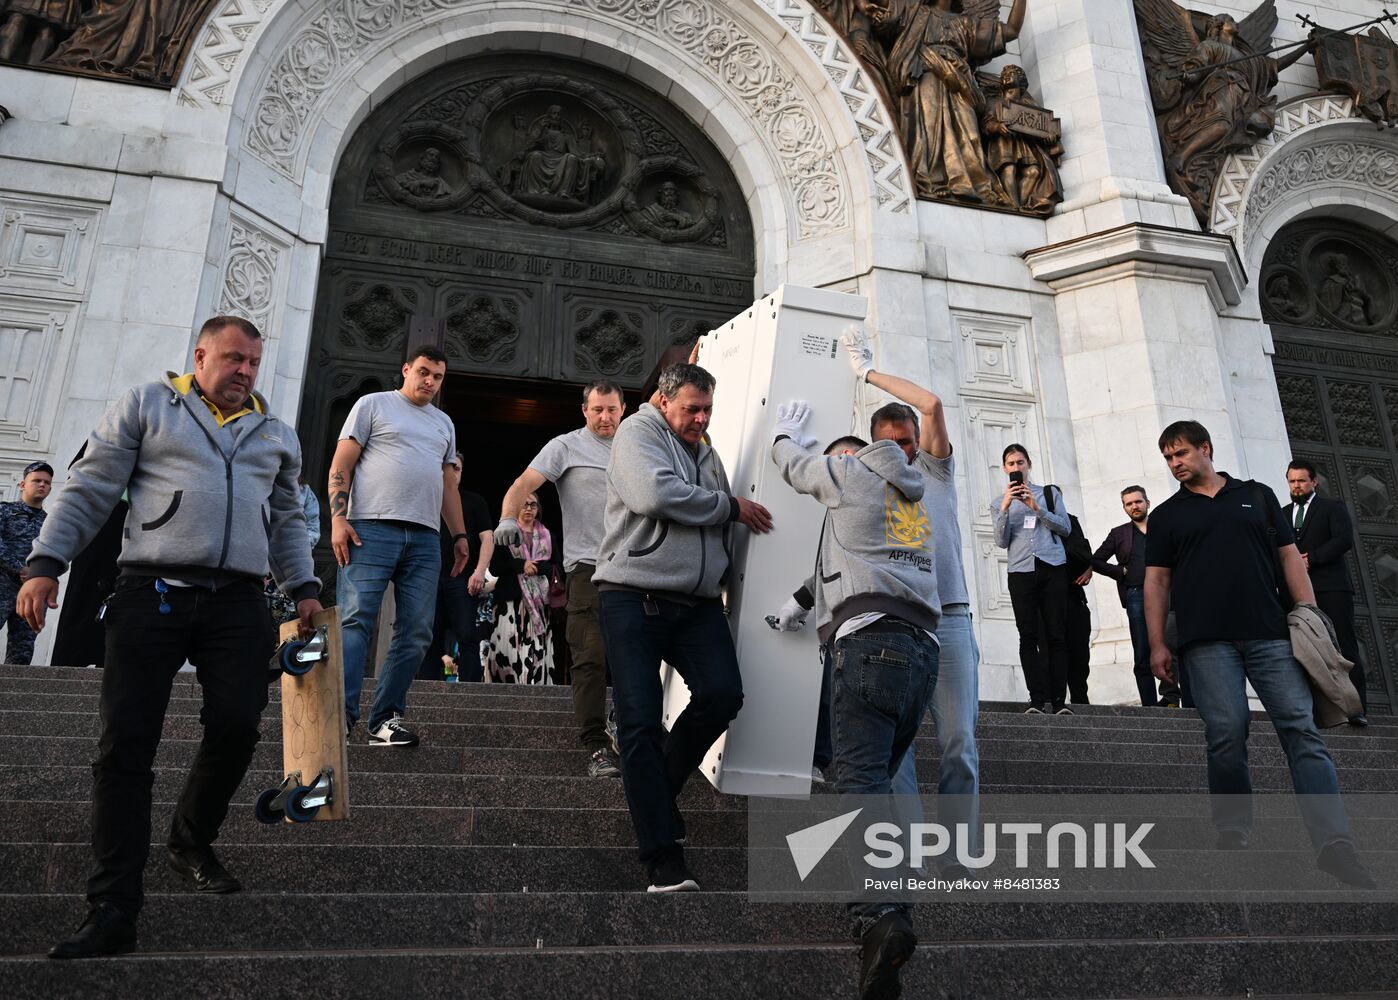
[265,808]
[296,809]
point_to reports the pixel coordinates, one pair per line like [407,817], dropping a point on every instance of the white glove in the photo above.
[861,355]
[792,616]
[791,421]
[507,532]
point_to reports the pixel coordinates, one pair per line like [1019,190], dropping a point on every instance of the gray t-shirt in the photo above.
[399,476]
[576,463]
[940,499]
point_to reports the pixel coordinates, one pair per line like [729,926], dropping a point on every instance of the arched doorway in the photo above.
[1329,290]
[547,222]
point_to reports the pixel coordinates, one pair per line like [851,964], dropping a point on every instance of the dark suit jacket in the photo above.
[1327,534]
[1118,544]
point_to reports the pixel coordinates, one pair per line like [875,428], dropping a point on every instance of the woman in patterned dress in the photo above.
[521,646]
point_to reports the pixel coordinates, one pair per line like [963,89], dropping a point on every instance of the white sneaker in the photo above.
[817,776]
[392,733]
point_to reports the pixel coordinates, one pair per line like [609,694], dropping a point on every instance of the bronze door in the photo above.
[1329,295]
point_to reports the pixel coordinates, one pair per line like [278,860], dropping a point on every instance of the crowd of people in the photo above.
[212,482]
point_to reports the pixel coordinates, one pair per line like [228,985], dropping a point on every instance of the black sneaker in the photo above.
[603,764]
[671,875]
[107,930]
[1033,709]
[1339,859]
[1062,710]
[392,733]
[883,951]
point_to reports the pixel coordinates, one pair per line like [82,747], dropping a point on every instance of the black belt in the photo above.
[890,624]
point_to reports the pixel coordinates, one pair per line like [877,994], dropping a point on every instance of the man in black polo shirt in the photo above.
[1212,554]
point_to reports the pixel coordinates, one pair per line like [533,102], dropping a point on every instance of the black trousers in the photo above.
[1040,602]
[1078,635]
[227,635]
[1338,606]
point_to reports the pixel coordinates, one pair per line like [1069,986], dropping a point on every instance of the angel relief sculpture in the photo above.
[1210,98]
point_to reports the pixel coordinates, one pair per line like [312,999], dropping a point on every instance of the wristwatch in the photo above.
[461,535]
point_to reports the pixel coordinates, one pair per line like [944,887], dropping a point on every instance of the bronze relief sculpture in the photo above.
[131,40]
[1210,98]
[969,137]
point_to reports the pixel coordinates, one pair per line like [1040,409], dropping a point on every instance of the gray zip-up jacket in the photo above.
[668,511]
[876,546]
[205,501]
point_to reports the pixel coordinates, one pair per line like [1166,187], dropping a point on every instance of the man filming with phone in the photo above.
[1031,523]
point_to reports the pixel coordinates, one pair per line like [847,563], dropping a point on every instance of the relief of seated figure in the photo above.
[555,166]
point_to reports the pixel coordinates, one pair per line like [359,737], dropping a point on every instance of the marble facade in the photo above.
[129,213]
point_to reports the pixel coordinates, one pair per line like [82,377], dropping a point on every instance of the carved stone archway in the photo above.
[1320,158]
[778,93]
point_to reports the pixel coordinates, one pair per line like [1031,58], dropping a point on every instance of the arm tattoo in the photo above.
[337,479]
[339,504]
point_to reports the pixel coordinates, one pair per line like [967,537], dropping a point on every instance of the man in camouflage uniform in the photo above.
[19,526]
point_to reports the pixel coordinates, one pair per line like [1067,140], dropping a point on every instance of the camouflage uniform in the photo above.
[19,526]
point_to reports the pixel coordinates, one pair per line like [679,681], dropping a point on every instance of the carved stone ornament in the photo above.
[131,40]
[1209,99]
[250,274]
[1363,66]
[333,41]
[969,137]
[1318,278]
[611,342]
[549,150]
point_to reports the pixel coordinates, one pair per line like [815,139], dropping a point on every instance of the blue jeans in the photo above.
[1217,674]
[955,708]
[410,557]
[882,680]
[695,640]
[1135,605]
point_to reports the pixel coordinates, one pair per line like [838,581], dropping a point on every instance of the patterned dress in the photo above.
[521,645]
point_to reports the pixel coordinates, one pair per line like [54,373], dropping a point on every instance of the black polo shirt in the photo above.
[1221,561]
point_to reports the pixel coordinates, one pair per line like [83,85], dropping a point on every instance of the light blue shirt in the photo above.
[1037,539]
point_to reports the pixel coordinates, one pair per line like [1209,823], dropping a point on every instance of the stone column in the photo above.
[1085,63]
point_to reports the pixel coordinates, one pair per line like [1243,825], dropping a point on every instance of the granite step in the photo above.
[416,826]
[1035,970]
[569,759]
[291,867]
[377,788]
[249,921]
[523,730]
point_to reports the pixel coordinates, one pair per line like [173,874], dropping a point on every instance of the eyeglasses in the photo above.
[162,588]
[530,503]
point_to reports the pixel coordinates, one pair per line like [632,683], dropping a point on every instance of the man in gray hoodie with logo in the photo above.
[877,607]
[211,479]
[660,566]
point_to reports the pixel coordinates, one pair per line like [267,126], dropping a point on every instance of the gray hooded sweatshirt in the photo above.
[668,511]
[876,544]
[207,502]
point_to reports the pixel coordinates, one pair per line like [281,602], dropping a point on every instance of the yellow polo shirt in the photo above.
[185,383]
